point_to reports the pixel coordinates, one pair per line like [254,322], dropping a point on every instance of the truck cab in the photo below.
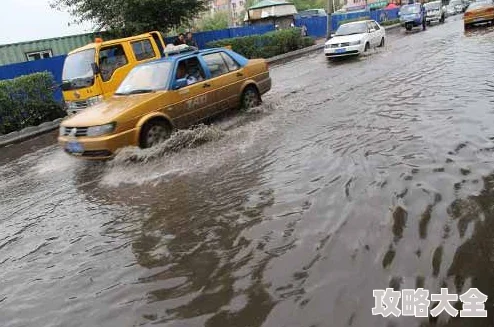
[92,73]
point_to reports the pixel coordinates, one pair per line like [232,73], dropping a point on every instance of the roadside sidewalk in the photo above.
[30,132]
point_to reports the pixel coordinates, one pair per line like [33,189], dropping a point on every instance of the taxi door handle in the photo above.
[240,74]
[206,85]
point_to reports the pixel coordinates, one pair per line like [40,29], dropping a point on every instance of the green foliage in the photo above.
[27,101]
[217,21]
[310,4]
[390,22]
[267,45]
[133,16]
[353,20]
[299,4]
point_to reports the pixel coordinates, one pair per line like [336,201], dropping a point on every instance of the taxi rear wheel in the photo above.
[154,132]
[250,98]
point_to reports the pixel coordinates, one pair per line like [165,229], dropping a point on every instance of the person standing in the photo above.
[189,40]
[180,39]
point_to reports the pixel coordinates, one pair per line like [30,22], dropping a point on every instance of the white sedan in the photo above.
[355,38]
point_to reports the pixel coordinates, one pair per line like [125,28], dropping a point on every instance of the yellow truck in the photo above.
[92,73]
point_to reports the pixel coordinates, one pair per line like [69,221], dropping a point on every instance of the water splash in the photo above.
[181,139]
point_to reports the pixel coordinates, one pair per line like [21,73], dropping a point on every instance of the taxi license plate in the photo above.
[340,51]
[74,148]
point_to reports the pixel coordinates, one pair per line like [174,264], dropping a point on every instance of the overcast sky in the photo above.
[26,20]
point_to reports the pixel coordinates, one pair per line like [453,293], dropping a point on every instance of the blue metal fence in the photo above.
[316,26]
[53,65]
[202,38]
[380,16]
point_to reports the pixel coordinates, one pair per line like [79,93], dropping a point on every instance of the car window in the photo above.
[143,50]
[146,78]
[375,26]
[216,64]
[110,59]
[369,25]
[230,62]
[191,70]
[352,28]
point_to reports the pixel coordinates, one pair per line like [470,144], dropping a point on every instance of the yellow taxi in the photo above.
[159,96]
[479,12]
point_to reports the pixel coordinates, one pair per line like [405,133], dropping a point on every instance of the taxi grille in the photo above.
[340,45]
[79,131]
[80,104]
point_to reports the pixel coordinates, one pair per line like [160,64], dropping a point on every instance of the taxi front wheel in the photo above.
[250,98]
[153,133]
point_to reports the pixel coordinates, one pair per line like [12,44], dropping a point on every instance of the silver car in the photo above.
[434,12]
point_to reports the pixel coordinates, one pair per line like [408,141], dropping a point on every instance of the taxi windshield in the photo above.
[479,4]
[432,6]
[353,28]
[412,9]
[78,65]
[146,78]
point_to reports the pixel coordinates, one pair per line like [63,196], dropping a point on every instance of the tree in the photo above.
[217,21]
[133,16]
[309,4]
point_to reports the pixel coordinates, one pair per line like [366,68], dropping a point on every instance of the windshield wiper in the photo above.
[138,91]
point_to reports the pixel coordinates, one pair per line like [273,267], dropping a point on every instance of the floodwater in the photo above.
[354,175]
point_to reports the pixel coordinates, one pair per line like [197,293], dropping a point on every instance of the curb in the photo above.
[296,53]
[390,27]
[29,132]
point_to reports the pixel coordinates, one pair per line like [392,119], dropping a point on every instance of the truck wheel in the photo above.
[154,132]
[408,27]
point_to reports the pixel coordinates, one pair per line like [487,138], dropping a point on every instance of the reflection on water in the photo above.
[351,177]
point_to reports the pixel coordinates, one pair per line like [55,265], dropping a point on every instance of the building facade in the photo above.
[235,9]
[42,49]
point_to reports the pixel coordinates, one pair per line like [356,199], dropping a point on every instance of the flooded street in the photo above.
[353,175]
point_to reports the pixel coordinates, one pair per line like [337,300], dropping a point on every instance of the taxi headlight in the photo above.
[355,42]
[101,129]
[94,100]
[71,105]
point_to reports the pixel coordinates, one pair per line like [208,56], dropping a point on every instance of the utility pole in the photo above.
[230,13]
[330,11]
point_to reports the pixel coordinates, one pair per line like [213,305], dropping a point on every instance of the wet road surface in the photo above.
[354,175]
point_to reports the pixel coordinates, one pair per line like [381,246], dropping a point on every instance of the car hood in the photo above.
[346,38]
[108,110]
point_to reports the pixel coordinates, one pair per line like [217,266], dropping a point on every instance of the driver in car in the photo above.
[182,73]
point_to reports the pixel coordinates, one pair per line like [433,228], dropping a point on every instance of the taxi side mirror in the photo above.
[180,83]
[95,68]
